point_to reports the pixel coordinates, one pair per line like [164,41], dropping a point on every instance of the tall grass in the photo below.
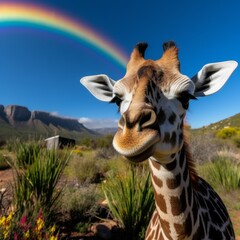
[224,172]
[36,189]
[227,173]
[26,153]
[4,159]
[131,200]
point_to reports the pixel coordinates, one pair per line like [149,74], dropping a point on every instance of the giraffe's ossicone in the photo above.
[153,98]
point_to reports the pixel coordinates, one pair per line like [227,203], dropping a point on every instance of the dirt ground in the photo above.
[6,177]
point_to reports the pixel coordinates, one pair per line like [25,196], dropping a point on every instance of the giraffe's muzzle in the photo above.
[137,135]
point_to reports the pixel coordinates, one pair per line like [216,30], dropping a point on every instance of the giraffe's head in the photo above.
[153,97]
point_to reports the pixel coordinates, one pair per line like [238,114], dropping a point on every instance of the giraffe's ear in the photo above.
[101,86]
[212,77]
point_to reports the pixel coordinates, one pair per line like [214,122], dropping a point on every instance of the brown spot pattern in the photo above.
[173,183]
[157,181]
[161,203]
[166,229]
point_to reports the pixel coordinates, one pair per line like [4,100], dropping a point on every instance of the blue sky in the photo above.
[41,69]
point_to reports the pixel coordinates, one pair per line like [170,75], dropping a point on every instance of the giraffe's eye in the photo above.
[116,100]
[184,98]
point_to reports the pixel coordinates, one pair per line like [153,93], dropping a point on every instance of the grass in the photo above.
[222,171]
[27,153]
[92,166]
[35,187]
[80,205]
[131,200]
[4,159]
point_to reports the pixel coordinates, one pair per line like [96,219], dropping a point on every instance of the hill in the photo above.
[18,121]
[233,121]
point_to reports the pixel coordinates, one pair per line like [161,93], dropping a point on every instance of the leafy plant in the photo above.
[4,159]
[35,188]
[227,132]
[236,140]
[80,204]
[87,169]
[26,153]
[131,200]
[222,171]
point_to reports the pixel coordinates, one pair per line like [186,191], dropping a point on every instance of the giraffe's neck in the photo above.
[175,209]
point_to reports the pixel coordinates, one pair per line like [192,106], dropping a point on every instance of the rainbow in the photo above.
[34,15]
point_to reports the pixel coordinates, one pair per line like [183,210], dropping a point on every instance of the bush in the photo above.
[131,200]
[79,204]
[12,144]
[223,172]
[35,188]
[204,147]
[87,169]
[230,133]
[4,162]
[26,153]
[236,140]
[227,132]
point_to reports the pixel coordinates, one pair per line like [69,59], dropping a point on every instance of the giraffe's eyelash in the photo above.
[117,101]
[184,98]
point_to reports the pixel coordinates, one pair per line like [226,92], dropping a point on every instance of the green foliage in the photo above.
[227,132]
[223,172]
[80,204]
[87,168]
[99,142]
[236,140]
[12,144]
[231,133]
[35,187]
[131,200]
[4,159]
[26,153]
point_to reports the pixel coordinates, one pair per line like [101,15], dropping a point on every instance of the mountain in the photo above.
[233,121]
[105,131]
[18,121]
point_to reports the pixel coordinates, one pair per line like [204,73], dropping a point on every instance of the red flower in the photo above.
[24,224]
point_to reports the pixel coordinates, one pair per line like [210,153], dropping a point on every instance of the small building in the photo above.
[56,142]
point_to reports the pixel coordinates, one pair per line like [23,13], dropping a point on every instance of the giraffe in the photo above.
[153,98]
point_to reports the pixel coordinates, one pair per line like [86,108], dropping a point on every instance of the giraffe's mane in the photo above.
[191,163]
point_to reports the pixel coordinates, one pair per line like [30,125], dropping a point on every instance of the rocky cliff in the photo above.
[19,118]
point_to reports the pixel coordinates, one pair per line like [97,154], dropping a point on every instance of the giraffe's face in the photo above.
[153,98]
[152,102]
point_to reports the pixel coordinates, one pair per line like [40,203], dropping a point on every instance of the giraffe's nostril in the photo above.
[143,119]
[148,119]
[121,122]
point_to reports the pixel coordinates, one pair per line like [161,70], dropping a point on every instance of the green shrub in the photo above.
[4,159]
[12,144]
[80,204]
[87,169]
[131,200]
[26,153]
[35,188]
[227,132]
[222,171]
[236,140]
